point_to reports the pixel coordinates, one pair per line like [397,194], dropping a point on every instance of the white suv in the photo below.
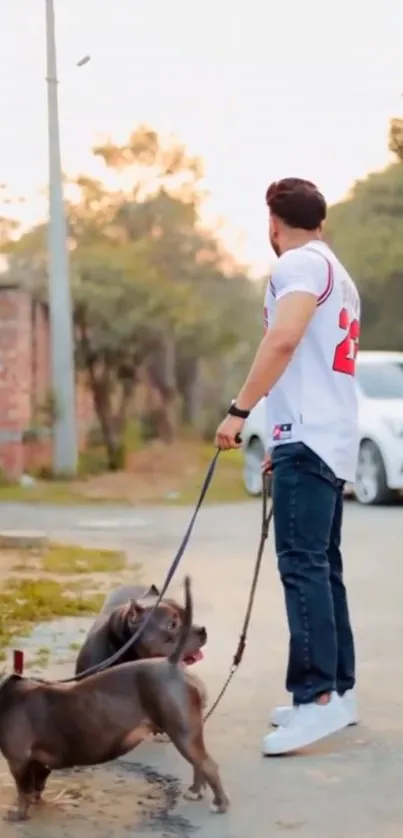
[380,464]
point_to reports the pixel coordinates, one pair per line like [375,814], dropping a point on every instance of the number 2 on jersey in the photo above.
[346,350]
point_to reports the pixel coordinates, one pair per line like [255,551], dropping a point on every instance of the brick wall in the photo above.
[25,382]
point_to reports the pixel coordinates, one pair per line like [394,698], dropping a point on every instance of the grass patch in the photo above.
[42,656]
[72,559]
[53,493]
[43,652]
[23,603]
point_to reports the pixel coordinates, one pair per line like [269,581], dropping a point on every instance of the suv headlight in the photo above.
[395,426]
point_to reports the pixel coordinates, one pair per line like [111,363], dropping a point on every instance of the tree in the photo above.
[154,294]
[186,254]
[396,137]
[366,231]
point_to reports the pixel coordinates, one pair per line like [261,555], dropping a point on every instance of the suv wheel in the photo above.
[371,486]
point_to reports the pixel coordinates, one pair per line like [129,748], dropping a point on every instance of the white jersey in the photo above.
[315,400]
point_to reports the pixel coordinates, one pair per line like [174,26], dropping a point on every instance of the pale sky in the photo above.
[259,89]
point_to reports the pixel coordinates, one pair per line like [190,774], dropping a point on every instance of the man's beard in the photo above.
[275,247]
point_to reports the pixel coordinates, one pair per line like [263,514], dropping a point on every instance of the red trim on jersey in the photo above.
[329,285]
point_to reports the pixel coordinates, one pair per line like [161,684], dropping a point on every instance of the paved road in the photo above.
[349,786]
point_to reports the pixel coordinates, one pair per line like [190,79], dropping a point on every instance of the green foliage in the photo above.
[92,461]
[366,231]
[133,439]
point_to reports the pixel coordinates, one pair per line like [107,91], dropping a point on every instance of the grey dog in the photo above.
[125,612]
[46,726]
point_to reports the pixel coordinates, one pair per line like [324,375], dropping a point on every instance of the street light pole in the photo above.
[65,444]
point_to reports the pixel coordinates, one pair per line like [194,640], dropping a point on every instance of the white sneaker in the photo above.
[282,715]
[307,724]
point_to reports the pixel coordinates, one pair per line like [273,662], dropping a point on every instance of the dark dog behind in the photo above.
[46,726]
[123,614]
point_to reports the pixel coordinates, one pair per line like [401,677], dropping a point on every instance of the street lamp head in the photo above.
[83,61]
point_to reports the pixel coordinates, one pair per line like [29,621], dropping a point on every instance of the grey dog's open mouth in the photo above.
[197,656]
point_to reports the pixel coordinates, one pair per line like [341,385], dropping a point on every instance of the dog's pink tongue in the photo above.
[198,656]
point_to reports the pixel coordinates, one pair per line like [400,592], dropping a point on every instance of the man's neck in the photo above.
[299,238]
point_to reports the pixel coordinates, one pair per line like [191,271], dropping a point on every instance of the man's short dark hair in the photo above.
[297,202]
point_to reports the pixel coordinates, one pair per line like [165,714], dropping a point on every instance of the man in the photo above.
[306,365]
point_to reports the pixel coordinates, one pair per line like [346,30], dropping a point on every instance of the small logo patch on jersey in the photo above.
[282,432]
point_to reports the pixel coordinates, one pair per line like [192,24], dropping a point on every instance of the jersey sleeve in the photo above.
[299,270]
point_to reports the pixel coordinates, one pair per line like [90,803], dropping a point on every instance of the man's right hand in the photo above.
[266,464]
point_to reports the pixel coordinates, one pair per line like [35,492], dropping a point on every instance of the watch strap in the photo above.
[234,410]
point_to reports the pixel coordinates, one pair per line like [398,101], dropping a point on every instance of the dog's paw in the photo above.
[38,799]
[192,794]
[16,816]
[161,737]
[219,807]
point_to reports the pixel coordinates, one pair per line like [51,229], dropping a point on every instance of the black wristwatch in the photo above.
[236,411]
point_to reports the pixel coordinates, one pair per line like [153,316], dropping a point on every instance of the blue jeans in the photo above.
[308,510]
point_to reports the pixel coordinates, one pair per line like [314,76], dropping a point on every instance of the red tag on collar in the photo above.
[18,662]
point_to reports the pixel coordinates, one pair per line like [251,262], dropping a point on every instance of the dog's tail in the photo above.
[177,652]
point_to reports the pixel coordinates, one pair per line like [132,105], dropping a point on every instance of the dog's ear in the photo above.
[136,609]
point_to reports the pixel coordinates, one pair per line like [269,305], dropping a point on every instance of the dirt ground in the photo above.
[97,802]
[349,785]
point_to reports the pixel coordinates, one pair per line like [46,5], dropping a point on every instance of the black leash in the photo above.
[266,519]
[171,572]
[264,532]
